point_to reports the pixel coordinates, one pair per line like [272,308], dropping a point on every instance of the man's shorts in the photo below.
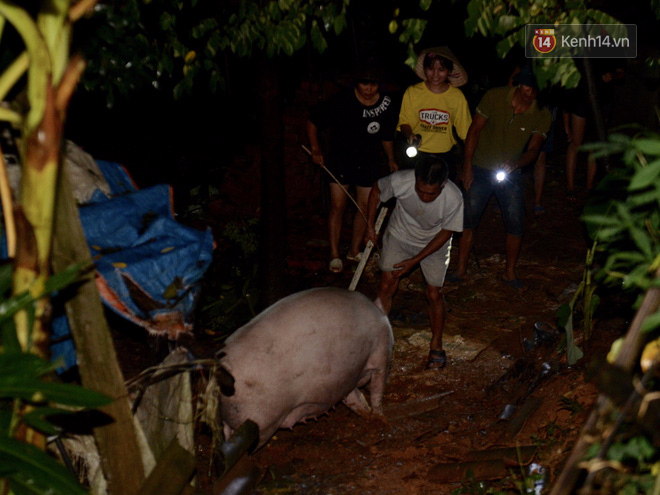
[348,173]
[434,266]
[509,194]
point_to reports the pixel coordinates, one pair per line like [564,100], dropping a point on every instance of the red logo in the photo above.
[544,40]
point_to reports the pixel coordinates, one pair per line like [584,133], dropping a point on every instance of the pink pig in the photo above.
[304,354]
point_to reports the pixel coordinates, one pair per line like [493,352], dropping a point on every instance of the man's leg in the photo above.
[386,290]
[513,246]
[511,199]
[436,315]
[578,125]
[359,225]
[464,249]
[592,168]
[337,206]
[539,177]
[475,202]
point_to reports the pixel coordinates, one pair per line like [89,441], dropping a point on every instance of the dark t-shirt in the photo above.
[355,131]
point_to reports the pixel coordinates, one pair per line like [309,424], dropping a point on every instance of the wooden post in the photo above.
[99,369]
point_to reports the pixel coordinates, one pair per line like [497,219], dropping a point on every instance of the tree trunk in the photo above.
[599,121]
[272,257]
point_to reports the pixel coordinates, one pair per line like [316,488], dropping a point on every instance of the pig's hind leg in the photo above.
[376,390]
[356,401]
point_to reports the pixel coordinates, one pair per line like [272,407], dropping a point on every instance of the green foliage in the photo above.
[571,405]
[28,396]
[475,487]
[31,471]
[634,460]
[627,220]
[584,302]
[173,43]
[624,221]
[624,217]
[638,449]
[505,22]
[238,294]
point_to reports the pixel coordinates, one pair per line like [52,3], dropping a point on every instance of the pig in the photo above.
[304,354]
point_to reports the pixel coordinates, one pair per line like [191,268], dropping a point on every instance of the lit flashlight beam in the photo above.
[411,150]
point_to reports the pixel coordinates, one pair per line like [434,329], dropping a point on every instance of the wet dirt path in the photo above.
[494,393]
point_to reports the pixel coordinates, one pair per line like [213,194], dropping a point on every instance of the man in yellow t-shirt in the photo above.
[433,108]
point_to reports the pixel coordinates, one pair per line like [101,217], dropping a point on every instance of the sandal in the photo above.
[336,266]
[357,257]
[437,360]
[539,210]
[452,278]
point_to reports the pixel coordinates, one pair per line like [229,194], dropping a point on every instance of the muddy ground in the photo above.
[499,390]
[496,391]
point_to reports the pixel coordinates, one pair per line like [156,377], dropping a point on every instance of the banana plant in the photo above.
[28,398]
[585,297]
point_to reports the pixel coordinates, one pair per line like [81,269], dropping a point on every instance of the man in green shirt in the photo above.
[506,134]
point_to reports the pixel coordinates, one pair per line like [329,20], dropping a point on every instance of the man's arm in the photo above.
[471,142]
[312,135]
[407,132]
[388,146]
[530,155]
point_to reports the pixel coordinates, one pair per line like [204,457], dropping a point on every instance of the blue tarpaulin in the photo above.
[148,266]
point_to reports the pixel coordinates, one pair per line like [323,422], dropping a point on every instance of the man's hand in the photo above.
[393,165]
[403,267]
[317,157]
[370,235]
[467,178]
[509,166]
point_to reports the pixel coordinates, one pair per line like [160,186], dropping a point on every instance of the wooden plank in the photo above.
[483,465]
[518,421]
[99,370]
[512,454]
[242,478]
[415,408]
[173,472]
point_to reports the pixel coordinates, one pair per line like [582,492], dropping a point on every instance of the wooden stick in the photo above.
[308,151]
[367,250]
[7,208]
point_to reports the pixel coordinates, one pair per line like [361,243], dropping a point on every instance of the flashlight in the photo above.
[411,150]
[500,175]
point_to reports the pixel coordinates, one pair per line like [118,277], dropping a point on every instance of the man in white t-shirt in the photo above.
[429,209]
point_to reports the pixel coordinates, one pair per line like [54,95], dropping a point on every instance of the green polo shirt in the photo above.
[505,135]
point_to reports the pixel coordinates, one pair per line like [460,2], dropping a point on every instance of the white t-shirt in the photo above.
[414,221]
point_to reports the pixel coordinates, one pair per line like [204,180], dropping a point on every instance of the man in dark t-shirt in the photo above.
[361,123]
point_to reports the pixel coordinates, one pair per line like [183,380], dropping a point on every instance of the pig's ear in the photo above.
[225,380]
[379,304]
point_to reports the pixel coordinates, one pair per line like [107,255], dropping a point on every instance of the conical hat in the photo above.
[458,76]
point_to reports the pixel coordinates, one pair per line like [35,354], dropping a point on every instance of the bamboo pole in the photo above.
[367,250]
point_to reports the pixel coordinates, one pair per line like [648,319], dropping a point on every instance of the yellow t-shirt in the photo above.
[434,116]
